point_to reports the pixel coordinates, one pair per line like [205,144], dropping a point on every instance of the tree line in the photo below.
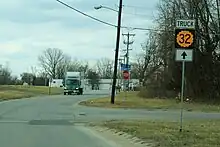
[54,63]
[202,77]
[5,76]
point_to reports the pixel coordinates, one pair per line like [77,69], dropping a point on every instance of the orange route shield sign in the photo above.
[185,38]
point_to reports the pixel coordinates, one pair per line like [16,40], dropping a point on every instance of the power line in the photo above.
[136,14]
[85,14]
[106,23]
[135,7]
[112,25]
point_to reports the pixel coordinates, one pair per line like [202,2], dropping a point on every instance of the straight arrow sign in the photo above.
[184,55]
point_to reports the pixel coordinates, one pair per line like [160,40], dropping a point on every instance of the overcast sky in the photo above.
[30,26]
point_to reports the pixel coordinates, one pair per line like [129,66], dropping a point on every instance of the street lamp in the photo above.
[105,7]
[117,47]
[98,7]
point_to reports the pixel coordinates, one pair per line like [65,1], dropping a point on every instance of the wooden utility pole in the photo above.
[128,43]
[116,53]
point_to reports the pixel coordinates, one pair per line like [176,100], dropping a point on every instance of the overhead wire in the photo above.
[136,14]
[135,7]
[104,22]
[112,25]
[85,14]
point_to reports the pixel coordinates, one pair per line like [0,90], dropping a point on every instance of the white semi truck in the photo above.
[74,83]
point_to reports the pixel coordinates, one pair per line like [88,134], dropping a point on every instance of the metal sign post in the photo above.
[184,44]
[182,94]
[126,95]
[50,82]
[124,89]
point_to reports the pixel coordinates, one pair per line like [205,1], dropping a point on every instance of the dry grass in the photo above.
[16,92]
[166,134]
[134,101]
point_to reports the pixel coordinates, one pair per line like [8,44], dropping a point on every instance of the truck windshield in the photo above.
[72,82]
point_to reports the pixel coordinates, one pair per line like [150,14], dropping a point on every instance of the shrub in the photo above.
[137,88]
[155,92]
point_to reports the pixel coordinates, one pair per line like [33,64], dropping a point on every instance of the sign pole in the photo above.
[125,95]
[124,90]
[50,81]
[184,45]
[182,95]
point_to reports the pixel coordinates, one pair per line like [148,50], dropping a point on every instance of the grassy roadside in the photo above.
[17,92]
[166,134]
[134,101]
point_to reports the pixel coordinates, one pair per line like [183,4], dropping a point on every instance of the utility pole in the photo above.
[128,43]
[123,58]
[116,53]
[120,73]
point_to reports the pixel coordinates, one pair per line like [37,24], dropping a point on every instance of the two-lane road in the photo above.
[58,121]
[45,122]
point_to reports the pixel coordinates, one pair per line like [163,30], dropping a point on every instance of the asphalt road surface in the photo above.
[57,121]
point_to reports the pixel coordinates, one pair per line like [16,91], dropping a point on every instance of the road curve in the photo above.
[54,121]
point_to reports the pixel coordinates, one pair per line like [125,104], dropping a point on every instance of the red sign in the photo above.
[126,75]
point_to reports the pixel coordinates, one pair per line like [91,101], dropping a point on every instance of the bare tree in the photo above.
[76,65]
[50,59]
[63,66]
[27,78]
[5,75]
[105,68]
[71,65]
[93,79]
[203,72]
[34,70]
[148,61]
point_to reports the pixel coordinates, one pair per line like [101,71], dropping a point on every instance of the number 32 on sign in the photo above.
[185,38]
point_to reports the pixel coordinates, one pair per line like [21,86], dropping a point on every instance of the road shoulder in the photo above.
[132,100]
[114,138]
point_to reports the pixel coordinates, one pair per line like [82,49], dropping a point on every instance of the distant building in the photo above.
[104,84]
[107,83]
[25,84]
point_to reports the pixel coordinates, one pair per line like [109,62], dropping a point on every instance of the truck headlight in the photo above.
[77,88]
